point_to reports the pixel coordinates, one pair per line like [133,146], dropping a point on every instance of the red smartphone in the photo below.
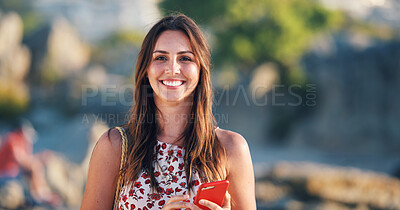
[213,191]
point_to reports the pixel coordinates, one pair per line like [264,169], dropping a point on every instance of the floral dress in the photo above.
[170,174]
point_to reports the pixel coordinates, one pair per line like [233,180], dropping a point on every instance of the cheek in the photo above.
[152,77]
[197,78]
[152,72]
[194,73]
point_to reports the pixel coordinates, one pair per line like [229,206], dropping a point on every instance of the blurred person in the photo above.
[174,144]
[17,160]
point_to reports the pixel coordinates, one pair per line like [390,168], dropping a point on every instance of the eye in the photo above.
[185,58]
[161,58]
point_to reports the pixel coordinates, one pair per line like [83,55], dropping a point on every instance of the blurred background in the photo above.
[313,86]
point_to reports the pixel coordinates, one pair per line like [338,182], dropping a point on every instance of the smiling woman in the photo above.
[172,141]
[174,71]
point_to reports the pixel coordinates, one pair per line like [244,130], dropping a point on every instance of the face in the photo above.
[174,71]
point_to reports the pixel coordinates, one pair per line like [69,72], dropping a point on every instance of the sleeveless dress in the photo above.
[170,174]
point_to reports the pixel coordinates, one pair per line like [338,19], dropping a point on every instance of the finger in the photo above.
[209,204]
[178,198]
[227,200]
[177,205]
[193,206]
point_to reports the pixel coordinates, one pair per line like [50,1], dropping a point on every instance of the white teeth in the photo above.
[172,83]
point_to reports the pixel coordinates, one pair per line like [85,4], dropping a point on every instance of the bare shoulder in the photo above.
[231,140]
[105,160]
[239,169]
[110,141]
[234,143]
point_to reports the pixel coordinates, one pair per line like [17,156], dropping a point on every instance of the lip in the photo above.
[172,80]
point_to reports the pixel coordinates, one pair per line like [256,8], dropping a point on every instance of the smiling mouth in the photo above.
[174,83]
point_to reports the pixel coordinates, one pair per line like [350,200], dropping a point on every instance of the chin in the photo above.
[175,99]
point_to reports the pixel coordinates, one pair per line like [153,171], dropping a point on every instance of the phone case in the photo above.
[213,191]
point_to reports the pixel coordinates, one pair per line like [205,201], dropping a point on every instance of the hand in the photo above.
[214,206]
[176,202]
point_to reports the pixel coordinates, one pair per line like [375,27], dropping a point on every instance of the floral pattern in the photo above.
[170,174]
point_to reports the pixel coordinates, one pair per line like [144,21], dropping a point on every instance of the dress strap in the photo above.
[120,182]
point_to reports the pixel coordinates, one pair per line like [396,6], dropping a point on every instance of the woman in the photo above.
[173,142]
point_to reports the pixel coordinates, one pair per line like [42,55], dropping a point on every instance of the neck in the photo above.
[172,118]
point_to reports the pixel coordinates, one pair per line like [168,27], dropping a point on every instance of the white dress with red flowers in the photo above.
[170,174]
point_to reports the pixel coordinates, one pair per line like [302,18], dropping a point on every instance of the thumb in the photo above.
[227,201]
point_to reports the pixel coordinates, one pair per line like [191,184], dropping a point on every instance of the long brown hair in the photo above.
[204,153]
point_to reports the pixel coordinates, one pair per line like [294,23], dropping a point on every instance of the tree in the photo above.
[250,32]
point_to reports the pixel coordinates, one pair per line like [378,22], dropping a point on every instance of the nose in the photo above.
[174,67]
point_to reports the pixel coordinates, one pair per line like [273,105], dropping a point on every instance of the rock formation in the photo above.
[357,97]
[14,65]
[311,184]
[68,179]
[58,51]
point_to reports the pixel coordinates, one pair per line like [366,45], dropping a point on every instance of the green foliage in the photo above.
[32,21]
[49,75]
[123,37]
[14,98]
[380,32]
[117,49]
[203,11]
[250,32]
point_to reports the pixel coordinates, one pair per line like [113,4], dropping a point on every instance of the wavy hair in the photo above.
[204,153]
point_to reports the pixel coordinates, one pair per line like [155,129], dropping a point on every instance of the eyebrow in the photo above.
[165,52]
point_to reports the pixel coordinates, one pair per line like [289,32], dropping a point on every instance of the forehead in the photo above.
[173,40]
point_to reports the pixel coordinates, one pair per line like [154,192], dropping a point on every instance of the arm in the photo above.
[240,170]
[103,171]
[22,152]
